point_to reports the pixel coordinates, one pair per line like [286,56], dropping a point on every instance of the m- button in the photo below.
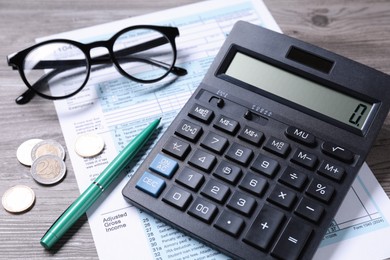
[304,158]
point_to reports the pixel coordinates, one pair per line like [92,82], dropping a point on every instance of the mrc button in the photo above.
[300,136]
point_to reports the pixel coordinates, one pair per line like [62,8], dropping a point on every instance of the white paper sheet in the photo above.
[117,109]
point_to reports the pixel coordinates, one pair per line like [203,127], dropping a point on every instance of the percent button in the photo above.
[319,190]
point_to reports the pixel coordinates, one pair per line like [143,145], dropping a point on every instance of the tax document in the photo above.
[117,109]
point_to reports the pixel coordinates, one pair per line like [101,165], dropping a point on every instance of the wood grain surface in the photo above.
[358,29]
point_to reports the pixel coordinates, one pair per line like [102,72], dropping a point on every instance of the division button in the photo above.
[292,240]
[293,178]
[264,228]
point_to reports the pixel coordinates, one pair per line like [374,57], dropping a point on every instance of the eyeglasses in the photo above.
[58,69]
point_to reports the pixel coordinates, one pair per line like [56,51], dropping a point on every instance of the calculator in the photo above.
[260,158]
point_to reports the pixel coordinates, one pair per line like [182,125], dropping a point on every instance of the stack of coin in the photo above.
[46,158]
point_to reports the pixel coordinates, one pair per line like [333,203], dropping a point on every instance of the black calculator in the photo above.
[258,161]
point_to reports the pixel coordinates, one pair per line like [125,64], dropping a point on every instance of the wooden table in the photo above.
[358,29]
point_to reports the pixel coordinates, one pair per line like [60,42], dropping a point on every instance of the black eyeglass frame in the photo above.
[16,61]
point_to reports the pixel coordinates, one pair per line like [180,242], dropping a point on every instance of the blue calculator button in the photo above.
[151,184]
[164,165]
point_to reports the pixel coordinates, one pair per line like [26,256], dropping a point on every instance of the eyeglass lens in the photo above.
[60,69]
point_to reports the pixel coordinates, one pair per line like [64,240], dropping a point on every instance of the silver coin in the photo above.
[23,153]
[48,169]
[47,147]
[18,199]
[89,145]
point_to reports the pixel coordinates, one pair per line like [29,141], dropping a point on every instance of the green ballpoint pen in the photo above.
[92,193]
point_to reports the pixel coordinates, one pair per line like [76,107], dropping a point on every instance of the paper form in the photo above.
[117,109]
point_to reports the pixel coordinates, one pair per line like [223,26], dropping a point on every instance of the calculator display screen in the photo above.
[339,106]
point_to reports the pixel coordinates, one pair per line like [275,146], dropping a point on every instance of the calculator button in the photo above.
[239,154]
[230,223]
[176,148]
[203,210]
[227,125]
[292,240]
[310,210]
[253,183]
[242,203]
[264,228]
[215,190]
[201,113]
[164,165]
[189,130]
[277,146]
[300,136]
[293,178]
[202,160]
[190,179]
[214,143]
[228,172]
[178,198]
[304,158]
[265,165]
[331,170]
[251,135]
[320,190]
[150,184]
[282,197]
[337,152]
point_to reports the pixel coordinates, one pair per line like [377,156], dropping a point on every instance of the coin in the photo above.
[47,147]
[89,145]
[18,199]
[23,153]
[48,169]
